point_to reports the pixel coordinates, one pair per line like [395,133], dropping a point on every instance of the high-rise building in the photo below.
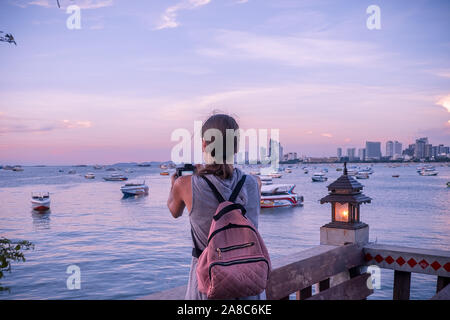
[389,149]
[419,149]
[428,151]
[397,148]
[373,150]
[435,151]
[362,154]
[275,144]
[351,153]
[291,156]
[339,153]
[409,151]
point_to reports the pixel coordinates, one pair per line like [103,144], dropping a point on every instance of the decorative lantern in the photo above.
[345,197]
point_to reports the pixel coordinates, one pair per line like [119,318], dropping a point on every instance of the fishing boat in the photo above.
[134,189]
[352,171]
[164,173]
[279,195]
[115,177]
[89,175]
[395,176]
[368,170]
[424,168]
[40,201]
[265,180]
[362,175]
[429,172]
[319,177]
[17,168]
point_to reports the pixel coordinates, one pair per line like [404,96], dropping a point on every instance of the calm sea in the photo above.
[128,248]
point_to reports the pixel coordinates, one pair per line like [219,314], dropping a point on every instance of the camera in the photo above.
[185,170]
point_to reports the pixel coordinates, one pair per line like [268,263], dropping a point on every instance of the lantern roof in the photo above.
[345,182]
[351,187]
[347,198]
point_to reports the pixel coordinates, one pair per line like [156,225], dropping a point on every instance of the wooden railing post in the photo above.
[402,284]
[304,293]
[442,282]
[324,285]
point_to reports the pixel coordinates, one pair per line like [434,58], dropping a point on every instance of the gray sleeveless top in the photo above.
[204,205]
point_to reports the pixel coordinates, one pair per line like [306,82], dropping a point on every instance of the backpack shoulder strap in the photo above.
[237,189]
[214,190]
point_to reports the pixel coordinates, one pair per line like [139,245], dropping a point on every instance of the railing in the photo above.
[336,272]
[404,261]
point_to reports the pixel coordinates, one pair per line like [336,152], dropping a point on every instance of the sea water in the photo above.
[126,248]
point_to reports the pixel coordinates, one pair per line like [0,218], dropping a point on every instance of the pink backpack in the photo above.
[235,262]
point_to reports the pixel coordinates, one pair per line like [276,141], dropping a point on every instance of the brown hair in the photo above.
[221,122]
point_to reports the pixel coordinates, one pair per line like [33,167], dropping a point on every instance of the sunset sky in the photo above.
[114,90]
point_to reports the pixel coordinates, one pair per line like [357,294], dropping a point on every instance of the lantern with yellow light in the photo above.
[345,197]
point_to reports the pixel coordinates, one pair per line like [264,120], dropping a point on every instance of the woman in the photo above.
[194,193]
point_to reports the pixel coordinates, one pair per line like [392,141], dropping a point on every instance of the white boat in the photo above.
[134,189]
[265,180]
[89,175]
[279,195]
[362,175]
[368,170]
[429,172]
[319,177]
[40,201]
[424,168]
[17,168]
[115,177]
[98,167]
[275,175]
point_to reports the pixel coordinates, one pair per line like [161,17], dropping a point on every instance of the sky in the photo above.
[115,89]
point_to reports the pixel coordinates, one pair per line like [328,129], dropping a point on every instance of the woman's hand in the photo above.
[180,195]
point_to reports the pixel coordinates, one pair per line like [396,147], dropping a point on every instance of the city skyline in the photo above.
[114,90]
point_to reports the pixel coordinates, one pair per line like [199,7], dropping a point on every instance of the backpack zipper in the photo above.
[230,226]
[238,246]
[240,261]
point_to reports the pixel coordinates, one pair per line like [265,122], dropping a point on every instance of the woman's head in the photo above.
[219,162]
